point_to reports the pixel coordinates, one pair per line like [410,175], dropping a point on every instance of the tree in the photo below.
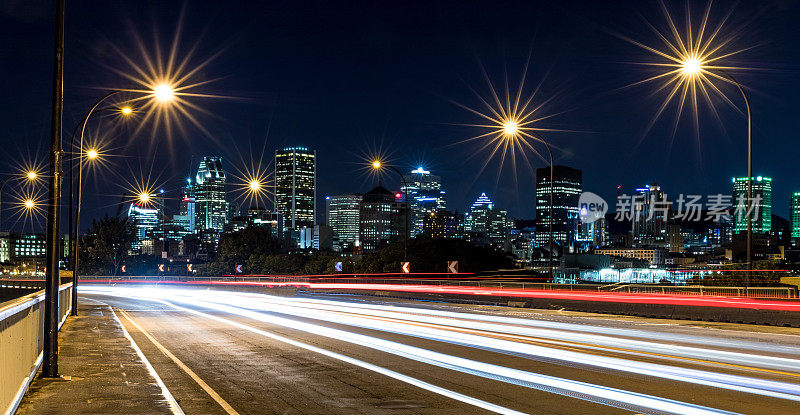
[251,247]
[106,245]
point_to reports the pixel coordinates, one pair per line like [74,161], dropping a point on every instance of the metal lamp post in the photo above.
[377,165]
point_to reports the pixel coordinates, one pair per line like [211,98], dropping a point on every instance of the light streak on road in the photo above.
[504,325]
[578,295]
[550,342]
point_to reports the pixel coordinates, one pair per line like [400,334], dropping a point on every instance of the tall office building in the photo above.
[146,221]
[211,206]
[650,214]
[425,195]
[296,186]
[761,204]
[342,216]
[794,214]
[485,224]
[382,218]
[186,212]
[567,188]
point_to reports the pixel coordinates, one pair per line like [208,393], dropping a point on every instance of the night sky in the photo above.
[352,78]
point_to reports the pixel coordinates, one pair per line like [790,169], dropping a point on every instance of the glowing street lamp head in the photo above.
[144,197]
[510,128]
[164,92]
[126,110]
[376,164]
[691,66]
[31,175]
[29,204]
[92,154]
[255,185]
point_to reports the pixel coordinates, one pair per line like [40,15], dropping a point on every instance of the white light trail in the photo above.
[290,306]
[594,393]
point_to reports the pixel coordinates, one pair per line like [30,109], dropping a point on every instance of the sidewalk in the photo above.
[101,372]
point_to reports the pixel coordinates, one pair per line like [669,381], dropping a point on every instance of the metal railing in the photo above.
[22,342]
[778,292]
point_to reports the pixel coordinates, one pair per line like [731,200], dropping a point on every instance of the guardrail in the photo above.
[778,292]
[22,342]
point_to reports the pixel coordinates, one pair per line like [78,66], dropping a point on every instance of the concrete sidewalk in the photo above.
[101,372]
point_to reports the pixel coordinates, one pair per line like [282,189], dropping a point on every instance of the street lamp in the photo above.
[163,93]
[31,176]
[689,67]
[378,165]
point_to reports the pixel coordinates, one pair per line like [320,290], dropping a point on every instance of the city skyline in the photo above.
[408,117]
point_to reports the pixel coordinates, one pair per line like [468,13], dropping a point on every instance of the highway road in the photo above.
[221,352]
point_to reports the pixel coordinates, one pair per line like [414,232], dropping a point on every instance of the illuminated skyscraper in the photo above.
[381,219]
[342,216]
[761,202]
[296,186]
[210,205]
[146,220]
[485,224]
[794,214]
[567,188]
[186,215]
[651,211]
[425,195]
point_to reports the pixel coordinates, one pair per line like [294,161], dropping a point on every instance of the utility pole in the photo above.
[52,280]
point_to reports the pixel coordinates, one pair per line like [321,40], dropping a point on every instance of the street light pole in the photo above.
[749,172]
[52,280]
[377,165]
[75,243]
[405,199]
[540,138]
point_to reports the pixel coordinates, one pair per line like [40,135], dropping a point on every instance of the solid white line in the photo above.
[173,404]
[369,366]
[211,392]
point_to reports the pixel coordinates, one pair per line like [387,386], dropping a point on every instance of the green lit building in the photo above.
[794,214]
[762,192]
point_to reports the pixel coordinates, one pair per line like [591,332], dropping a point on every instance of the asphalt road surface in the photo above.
[221,352]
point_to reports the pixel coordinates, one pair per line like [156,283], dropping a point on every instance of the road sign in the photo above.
[123,268]
[189,267]
[406,267]
[238,269]
[452,267]
[160,267]
[337,267]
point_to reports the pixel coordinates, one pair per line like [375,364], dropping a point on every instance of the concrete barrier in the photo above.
[22,342]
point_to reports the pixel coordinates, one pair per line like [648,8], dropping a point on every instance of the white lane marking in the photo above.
[211,392]
[173,404]
[369,366]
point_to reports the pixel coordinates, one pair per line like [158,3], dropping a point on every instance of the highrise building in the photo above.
[210,205]
[146,220]
[186,212]
[443,224]
[761,203]
[296,186]
[567,188]
[486,224]
[794,214]
[382,219]
[342,216]
[425,195]
[651,209]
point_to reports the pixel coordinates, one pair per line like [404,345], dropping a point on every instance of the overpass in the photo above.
[291,347]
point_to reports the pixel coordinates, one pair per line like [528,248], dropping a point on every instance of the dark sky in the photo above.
[347,78]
